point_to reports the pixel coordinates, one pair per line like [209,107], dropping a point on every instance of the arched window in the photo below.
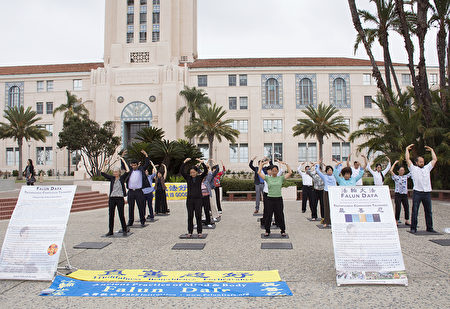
[14,96]
[339,92]
[306,91]
[272,92]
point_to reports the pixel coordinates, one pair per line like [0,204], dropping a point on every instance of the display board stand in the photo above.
[365,236]
[35,234]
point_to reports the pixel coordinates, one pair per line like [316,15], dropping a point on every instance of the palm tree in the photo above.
[210,125]
[150,134]
[72,108]
[164,151]
[22,126]
[195,99]
[321,123]
[441,13]
[385,20]
[399,127]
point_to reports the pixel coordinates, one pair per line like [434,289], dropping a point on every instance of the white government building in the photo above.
[151,54]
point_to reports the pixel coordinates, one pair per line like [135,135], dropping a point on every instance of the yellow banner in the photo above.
[151,275]
[176,191]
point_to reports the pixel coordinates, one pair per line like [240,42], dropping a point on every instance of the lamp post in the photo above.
[56,158]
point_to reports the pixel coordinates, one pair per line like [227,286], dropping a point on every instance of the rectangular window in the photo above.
[243,80]
[367,78]
[49,107]
[143,33]
[433,79]
[307,152]
[204,149]
[278,151]
[243,102]
[49,85]
[44,155]
[235,125]
[76,157]
[243,153]
[155,18]
[130,33]
[345,151]
[406,79]
[272,126]
[202,80]
[40,107]
[347,123]
[232,103]
[273,151]
[302,152]
[77,84]
[49,128]
[12,156]
[367,101]
[40,86]
[234,153]
[243,126]
[336,151]
[231,80]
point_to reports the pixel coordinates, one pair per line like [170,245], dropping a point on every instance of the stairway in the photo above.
[81,201]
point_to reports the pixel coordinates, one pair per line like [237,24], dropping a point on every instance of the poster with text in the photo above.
[365,237]
[35,233]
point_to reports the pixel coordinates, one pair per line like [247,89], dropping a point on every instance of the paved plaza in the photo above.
[235,245]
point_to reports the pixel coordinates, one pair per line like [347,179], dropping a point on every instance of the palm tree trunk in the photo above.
[440,44]
[376,72]
[68,162]
[211,143]
[320,139]
[20,143]
[410,50]
[448,62]
[394,77]
[422,28]
[386,56]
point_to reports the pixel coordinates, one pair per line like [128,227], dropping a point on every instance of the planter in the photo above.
[289,193]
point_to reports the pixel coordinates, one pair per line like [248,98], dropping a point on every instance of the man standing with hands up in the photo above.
[420,174]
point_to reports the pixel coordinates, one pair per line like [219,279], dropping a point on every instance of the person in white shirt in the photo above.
[420,174]
[378,174]
[307,189]
[355,172]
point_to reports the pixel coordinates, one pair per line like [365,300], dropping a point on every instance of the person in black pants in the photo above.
[136,181]
[117,193]
[194,195]
[217,187]
[29,173]
[259,184]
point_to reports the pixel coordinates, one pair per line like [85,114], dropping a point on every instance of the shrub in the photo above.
[50,173]
[98,178]
[175,178]
[235,184]
[15,173]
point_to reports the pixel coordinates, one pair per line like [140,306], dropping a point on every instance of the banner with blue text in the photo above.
[64,286]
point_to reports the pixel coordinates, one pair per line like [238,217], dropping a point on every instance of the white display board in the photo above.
[365,237]
[35,233]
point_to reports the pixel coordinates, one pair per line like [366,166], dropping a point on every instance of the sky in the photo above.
[67,31]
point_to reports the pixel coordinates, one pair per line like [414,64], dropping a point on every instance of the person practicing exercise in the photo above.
[160,191]
[378,174]
[148,192]
[136,181]
[401,193]
[307,189]
[346,179]
[213,170]
[274,200]
[328,180]
[317,191]
[259,184]
[217,187]
[420,174]
[117,193]
[355,170]
[268,171]
[194,195]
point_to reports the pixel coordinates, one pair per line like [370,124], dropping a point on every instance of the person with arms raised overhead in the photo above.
[420,174]
[194,195]
[401,193]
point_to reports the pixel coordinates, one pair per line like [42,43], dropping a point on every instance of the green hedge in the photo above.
[236,184]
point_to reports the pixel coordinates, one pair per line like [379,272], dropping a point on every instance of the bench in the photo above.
[249,194]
